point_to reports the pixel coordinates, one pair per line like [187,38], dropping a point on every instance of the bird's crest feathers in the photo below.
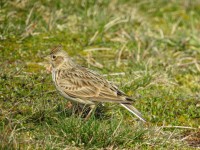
[55,49]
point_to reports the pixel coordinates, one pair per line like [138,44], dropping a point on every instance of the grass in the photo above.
[149,48]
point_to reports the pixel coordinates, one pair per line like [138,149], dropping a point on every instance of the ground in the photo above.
[149,48]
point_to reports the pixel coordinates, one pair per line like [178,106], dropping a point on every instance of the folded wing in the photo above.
[85,84]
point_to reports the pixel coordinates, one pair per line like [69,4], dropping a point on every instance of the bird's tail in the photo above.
[134,111]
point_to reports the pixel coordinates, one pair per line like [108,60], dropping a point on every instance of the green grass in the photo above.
[151,51]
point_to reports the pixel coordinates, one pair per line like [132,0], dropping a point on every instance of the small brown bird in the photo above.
[85,86]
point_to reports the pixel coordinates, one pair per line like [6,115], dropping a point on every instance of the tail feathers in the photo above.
[134,111]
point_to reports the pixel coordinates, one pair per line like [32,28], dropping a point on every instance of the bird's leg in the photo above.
[81,109]
[92,108]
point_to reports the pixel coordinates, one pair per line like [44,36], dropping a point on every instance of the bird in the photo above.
[83,85]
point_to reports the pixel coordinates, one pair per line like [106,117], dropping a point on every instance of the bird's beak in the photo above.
[47,58]
[48,65]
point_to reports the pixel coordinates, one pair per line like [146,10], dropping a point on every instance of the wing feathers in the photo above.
[134,111]
[85,84]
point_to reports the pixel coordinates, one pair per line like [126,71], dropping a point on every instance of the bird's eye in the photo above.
[53,57]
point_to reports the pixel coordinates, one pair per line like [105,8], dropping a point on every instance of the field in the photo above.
[149,48]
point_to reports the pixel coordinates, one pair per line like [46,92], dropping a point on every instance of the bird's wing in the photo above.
[85,84]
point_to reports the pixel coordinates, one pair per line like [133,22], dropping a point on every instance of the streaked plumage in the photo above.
[82,85]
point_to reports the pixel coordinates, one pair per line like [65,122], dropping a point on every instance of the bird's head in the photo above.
[58,58]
